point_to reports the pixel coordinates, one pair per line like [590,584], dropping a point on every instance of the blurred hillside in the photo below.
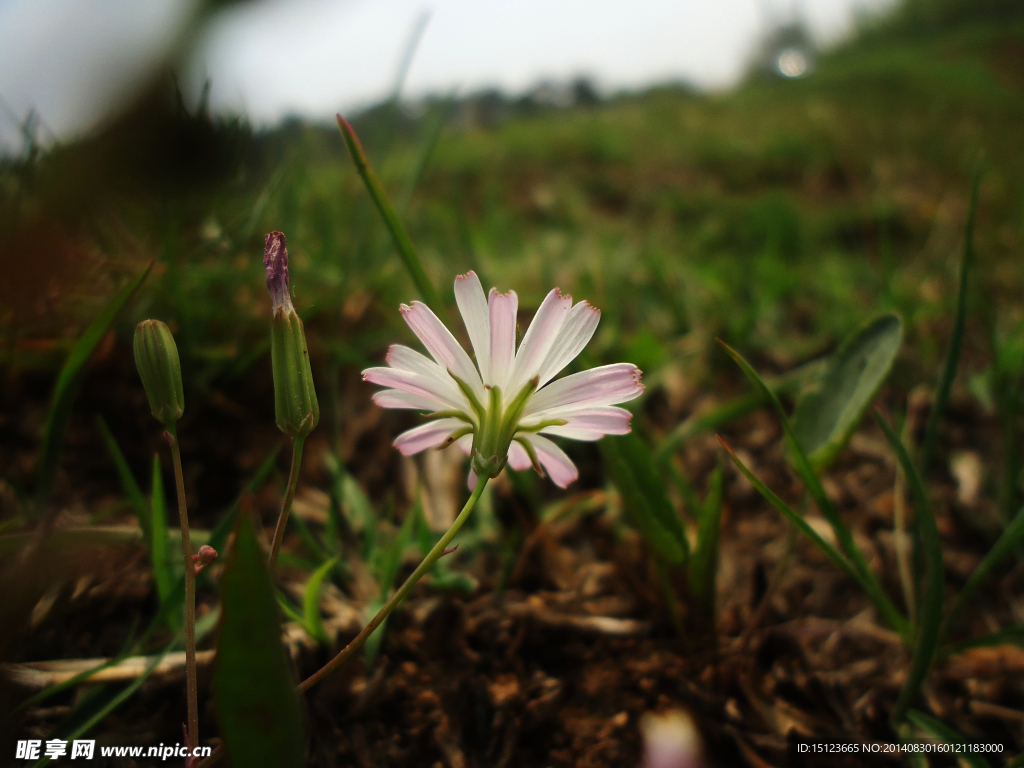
[777,215]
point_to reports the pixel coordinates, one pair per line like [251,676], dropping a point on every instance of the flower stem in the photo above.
[432,557]
[286,507]
[428,562]
[190,597]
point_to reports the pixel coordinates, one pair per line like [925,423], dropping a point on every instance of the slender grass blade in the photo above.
[160,539]
[406,250]
[866,577]
[939,730]
[629,463]
[956,341]
[1006,544]
[128,484]
[704,563]
[311,602]
[930,616]
[67,384]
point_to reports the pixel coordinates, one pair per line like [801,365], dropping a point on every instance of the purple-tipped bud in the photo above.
[204,557]
[275,259]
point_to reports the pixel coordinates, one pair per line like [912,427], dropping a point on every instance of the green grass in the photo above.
[777,215]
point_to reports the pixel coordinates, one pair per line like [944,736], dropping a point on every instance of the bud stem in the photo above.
[190,596]
[289,496]
[441,548]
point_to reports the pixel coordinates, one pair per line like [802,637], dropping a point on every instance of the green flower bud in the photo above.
[295,404]
[156,357]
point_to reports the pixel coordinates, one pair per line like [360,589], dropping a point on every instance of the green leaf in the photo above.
[828,413]
[390,562]
[866,578]
[406,250]
[159,542]
[373,642]
[939,730]
[730,410]
[126,650]
[257,706]
[219,536]
[67,384]
[795,518]
[1008,636]
[643,493]
[704,563]
[930,617]
[102,708]
[430,138]
[1007,543]
[953,353]
[128,484]
[311,602]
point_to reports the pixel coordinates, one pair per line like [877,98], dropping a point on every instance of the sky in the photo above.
[74,61]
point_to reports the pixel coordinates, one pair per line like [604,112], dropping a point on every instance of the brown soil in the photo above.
[559,667]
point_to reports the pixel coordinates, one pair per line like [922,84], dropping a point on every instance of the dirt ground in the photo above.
[559,667]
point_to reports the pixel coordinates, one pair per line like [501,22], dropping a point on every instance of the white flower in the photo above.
[500,409]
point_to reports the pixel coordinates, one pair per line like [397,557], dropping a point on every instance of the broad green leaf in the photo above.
[257,706]
[929,623]
[644,496]
[939,730]
[67,383]
[865,577]
[311,602]
[953,353]
[159,543]
[406,250]
[131,488]
[828,413]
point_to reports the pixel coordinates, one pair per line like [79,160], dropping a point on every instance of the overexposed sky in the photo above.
[73,60]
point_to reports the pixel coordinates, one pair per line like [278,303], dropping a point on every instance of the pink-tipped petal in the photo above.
[465,444]
[559,467]
[428,435]
[590,423]
[405,359]
[606,385]
[441,345]
[539,338]
[442,390]
[393,398]
[469,295]
[503,310]
[575,334]
[518,458]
